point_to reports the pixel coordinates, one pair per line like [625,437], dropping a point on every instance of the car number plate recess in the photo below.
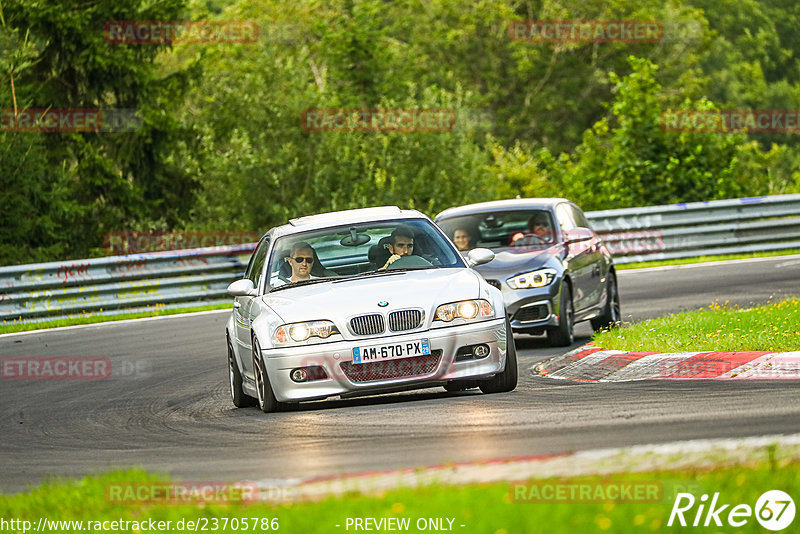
[391,351]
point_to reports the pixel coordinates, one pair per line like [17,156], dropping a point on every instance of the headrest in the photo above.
[378,255]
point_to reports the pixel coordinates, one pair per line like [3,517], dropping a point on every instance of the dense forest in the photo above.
[219,145]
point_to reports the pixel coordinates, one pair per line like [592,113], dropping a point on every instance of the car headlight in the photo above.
[465,309]
[299,332]
[537,278]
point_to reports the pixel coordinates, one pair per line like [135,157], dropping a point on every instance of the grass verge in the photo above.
[11,327]
[706,259]
[771,327]
[500,508]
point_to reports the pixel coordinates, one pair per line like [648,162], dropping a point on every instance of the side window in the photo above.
[564,215]
[257,263]
[579,217]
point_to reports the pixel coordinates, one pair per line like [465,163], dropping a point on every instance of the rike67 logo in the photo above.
[774,510]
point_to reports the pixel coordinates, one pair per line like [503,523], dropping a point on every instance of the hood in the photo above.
[341,299]
[506,264]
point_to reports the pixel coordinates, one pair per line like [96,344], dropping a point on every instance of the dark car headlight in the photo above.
[537,278]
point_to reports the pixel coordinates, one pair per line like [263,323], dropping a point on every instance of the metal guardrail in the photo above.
[179,278]
[700,228]
[132,283]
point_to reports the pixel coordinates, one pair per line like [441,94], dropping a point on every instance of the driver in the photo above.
[538,227]
[401,244]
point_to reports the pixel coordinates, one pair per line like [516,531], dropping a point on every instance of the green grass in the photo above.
[771,327]
[21,326]
[706,259]
[486,508]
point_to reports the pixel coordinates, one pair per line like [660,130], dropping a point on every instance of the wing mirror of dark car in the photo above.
[479,256]
[577,235]
[242,288]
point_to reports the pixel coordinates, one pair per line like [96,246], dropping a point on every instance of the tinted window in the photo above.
[579,217]
[516,230]
[360,248]
[256,266]
[565,217]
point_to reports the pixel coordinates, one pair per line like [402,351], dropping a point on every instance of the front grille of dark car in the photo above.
[494,283]
[532,313]
[402,320]
[367,325]
[391,369]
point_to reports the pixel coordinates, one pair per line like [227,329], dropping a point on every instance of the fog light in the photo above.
[308,374]
[481,351]
[299,375]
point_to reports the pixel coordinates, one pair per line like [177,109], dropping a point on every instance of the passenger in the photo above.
[462,239]
[401,244]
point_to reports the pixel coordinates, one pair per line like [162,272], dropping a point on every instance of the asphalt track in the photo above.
[167,409]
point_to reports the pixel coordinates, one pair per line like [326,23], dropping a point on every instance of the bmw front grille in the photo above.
[367,325]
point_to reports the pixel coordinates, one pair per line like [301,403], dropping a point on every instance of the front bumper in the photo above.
[534,308]
[351,379]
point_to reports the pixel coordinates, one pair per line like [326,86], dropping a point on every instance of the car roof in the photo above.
[338,218]
[501,205]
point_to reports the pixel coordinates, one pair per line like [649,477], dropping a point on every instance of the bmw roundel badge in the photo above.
[383,304]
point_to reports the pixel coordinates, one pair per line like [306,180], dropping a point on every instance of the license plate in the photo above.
[391,351]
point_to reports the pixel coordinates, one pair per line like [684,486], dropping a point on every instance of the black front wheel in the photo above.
[266,398]
[507,379]
[610,316]
[238,396]
[564,334]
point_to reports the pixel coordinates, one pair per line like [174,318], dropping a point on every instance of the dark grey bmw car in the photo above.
[552,269]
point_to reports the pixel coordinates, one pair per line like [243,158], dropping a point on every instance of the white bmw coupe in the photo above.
[362,302]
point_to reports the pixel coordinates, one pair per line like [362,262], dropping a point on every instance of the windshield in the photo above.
[514,231]
[359,250]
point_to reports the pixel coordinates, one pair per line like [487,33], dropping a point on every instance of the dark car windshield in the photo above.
[359,249]
[515,231]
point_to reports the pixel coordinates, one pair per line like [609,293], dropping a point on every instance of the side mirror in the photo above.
[577,235]
[242,288]
[479,256]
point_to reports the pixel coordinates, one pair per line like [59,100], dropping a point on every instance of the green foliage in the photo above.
[258,167]
[82,185]
[220,144]
[630,159]
[489,507]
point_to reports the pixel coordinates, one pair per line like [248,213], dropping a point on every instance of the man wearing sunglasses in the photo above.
[301,259]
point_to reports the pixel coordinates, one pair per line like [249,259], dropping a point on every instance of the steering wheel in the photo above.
[527,239]
[409,261]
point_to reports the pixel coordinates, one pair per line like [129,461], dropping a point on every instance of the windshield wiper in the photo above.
[395,270]
[307,282]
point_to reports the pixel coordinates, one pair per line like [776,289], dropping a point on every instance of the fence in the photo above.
[132,283]
[700,228]
[200,276]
